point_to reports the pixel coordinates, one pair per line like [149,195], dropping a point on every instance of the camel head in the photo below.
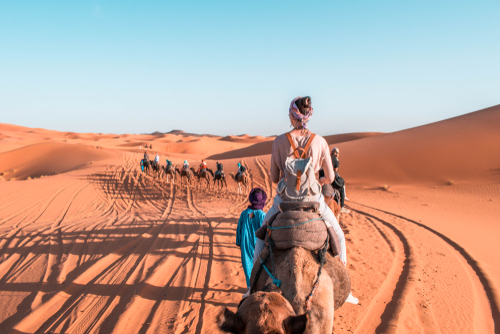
[263,312]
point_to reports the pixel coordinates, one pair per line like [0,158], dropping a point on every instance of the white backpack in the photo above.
[299,183]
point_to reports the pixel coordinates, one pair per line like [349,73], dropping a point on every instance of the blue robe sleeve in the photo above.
[239,230]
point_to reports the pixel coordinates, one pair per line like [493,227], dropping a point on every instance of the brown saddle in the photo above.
[299,224]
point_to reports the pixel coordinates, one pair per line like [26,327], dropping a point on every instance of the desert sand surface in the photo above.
[90,244]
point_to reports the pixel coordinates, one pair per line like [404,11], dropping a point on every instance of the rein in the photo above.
[321,258]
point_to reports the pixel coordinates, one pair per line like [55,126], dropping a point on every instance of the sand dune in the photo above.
[461,148]
[246,139]
[104,248]
[265,145]
[48,159]
[341,138]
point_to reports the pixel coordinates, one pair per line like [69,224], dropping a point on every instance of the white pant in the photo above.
[327,215]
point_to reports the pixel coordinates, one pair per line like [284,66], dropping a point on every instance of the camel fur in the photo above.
[263,312]
[298,268]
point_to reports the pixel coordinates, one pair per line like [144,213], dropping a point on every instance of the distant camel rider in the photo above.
[241,170]
[203,166]
[169,164]
[339,182]
[157,159]
[220,169]
[146,159]
[186,165]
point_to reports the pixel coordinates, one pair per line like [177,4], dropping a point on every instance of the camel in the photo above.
[157,169]
[170,172]
[203,175]
[220,178]
[265,312]
[242,180]
[332,199]
[299,269]
[146,165]
[184,173]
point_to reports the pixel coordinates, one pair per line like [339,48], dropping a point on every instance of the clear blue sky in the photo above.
[232,67]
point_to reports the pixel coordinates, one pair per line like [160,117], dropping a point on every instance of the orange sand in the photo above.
[89,244]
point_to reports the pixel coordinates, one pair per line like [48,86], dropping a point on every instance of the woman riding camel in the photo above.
[146,158]
[220,168]
[316,147]
[241,170]
[203,166]
[313,146]
[168,164]
[339,182]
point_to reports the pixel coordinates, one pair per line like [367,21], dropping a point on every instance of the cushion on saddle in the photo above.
[299,206]
[310,235]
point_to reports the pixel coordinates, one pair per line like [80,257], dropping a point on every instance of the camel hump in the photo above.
[298,228]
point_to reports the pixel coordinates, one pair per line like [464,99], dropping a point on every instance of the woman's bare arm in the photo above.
[327,167]
[275,171]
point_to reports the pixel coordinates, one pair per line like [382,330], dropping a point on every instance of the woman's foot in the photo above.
[344,210]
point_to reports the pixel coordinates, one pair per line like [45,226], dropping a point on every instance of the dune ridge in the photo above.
[460,148]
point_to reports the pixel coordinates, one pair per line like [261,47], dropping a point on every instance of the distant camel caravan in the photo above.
[242,180]
[219,178]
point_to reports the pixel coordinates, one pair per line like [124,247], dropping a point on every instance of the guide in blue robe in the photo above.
[249,222]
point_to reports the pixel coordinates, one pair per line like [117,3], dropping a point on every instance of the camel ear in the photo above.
[296,324]
[230,322]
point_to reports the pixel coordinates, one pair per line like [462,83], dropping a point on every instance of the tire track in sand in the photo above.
[267,179]
[101,307]
[114,280]
[383,313]
[486,309]
[174,280]
[204,268]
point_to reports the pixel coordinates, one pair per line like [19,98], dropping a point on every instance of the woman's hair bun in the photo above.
[304,104]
